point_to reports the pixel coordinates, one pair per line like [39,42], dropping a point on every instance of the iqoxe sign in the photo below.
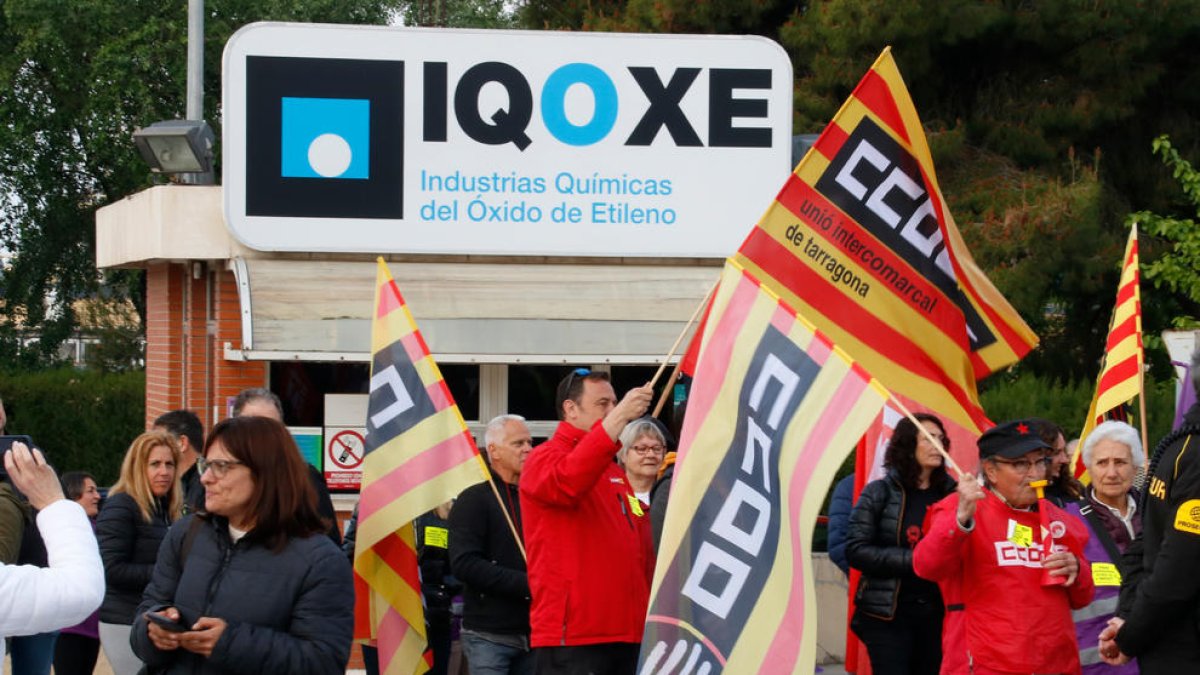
[501,142]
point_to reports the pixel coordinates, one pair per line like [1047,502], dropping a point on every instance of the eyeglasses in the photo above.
[655,449]
[219,467]
[1023,466]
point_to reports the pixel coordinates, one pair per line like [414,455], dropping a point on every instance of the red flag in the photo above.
[860,241]
[1120,378]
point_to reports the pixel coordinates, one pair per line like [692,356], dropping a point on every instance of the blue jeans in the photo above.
[33,654]
[485,657]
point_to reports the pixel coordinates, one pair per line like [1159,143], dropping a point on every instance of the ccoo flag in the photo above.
[419,454]
[1120,378]
[774,410]
[861,242]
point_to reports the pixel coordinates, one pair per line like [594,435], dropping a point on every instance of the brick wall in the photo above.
[164,359]
[187,327]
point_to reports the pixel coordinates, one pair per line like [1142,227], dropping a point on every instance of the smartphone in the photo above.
[6,443]
[165,622]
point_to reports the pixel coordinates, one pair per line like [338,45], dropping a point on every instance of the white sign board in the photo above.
[406,140]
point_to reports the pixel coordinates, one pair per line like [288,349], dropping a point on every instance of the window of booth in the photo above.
[463,381]
[531,390]
[625,378]
[302,386]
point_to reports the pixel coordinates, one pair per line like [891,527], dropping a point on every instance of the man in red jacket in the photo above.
[586,534]
[1004,613]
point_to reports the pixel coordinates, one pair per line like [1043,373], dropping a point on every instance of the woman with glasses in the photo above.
[140,507]
[252,584]
[643,446]
[898,615]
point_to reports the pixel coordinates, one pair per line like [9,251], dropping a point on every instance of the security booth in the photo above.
[545,201]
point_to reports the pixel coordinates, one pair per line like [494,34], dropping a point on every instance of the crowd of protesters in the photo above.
[222,555]
[1113,589]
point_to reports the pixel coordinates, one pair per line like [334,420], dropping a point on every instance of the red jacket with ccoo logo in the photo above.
[999,617]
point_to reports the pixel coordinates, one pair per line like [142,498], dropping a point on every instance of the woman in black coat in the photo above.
[253,585]
[140,507]
[898,615]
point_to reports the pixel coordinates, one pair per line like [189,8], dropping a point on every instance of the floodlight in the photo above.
[176,146]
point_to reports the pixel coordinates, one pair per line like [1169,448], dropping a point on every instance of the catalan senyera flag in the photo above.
[419,454]
[1120,378]
[774,409]
[861,242]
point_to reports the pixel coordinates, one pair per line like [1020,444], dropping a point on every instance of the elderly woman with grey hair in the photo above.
[1113,455]
[643,446]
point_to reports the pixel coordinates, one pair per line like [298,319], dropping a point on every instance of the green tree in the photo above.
[78,78]
[459,13]
[759,17]
[1028,80]
[1174,268]
[1041,240]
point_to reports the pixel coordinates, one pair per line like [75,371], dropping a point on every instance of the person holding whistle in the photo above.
[983,546]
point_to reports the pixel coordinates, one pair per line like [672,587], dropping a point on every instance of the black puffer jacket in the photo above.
[128,546]
[876,545]
[287,612]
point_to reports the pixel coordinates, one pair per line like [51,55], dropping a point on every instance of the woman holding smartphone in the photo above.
[252,584]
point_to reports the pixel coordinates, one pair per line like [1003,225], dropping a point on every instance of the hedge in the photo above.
[1066,403]
[83,420]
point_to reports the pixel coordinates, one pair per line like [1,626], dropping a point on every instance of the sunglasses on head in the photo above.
[578,372]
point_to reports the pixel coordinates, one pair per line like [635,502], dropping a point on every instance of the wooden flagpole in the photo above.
[507,516]
[1142,356]
[682,334]
[930,437]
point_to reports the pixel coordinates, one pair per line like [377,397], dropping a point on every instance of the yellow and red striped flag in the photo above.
[1120,378]
[861,242]
[775,408]
[419,454]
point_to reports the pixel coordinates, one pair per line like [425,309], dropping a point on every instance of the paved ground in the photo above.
[102,668]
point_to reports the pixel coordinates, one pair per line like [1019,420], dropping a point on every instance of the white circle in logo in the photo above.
[1057,529]
[329,155]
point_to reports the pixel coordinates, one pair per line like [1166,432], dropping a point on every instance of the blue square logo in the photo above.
[325,138]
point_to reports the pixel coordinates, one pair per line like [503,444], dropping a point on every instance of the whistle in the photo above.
[1040,487]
